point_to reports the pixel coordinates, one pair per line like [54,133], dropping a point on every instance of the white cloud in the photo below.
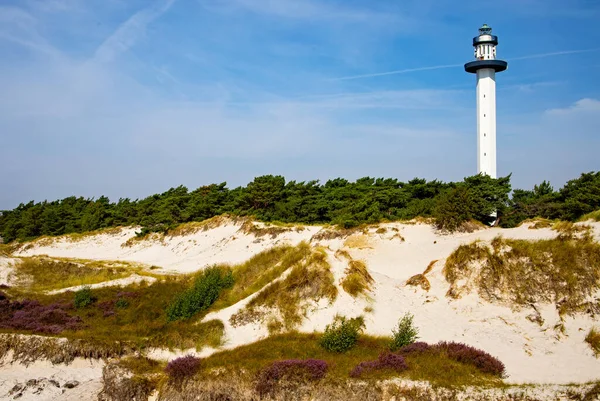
[128,33]
[582,106]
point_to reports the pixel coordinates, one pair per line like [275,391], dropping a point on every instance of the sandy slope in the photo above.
[43,381]
[532,353]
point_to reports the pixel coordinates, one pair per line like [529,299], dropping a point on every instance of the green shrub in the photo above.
[84,297]
[342,334]
[406,333]
[205,291]
[453,208]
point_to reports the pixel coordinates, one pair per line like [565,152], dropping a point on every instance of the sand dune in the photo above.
[393,253]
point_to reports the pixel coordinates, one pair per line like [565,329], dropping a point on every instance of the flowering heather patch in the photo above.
[386,360]
[183,368]
[466,354]
[31,315]
[291,369]
[107,308]
[414,348]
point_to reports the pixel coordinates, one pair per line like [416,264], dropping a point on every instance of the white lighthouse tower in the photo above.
[486,66]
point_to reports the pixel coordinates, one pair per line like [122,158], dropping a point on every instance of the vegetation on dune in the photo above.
[38,274]
[134,317]
[342,334]
[593,339]
[259,271]
[207,286]
[564,270]
[435,364]
[182,368]
[357,280]
[595,216]
[286,301]
[405,334]
[290,370]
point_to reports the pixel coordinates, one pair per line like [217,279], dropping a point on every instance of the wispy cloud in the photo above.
[444,66]
[128,33]
[396,72]
[553,54]
[20,27]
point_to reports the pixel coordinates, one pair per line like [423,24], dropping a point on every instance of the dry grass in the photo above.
[154,237]
[119,383]
[259,271]
[342,253]
[594,216]
[250,227]
[381,230]
[39,274]
[593,339]
[141,365]
[334,233]
[537,223]
[419,280]
[8,249]
[520,272]
[470,226]
[28,349]
[400,237]
[430,267]
[358,241]
[358,280]
[567,230]
[288,300]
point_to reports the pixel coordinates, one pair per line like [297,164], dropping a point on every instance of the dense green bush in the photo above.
[405,334]
[203,293]
[338,201]
[342,334]
[453,208]
[84,297]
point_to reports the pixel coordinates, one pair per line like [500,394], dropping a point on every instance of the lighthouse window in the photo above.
[484,154]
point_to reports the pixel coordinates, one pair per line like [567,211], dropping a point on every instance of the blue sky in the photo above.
[131,97]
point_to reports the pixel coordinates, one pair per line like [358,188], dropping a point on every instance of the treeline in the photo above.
[338,201]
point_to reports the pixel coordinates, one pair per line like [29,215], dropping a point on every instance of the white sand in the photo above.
[121,282]
[532,353]
[87,373]
[6,269]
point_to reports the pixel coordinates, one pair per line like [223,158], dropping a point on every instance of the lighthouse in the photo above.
[486,66]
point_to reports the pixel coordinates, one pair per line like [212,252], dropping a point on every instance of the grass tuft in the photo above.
[358,280]
[419,280]
[593,339]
